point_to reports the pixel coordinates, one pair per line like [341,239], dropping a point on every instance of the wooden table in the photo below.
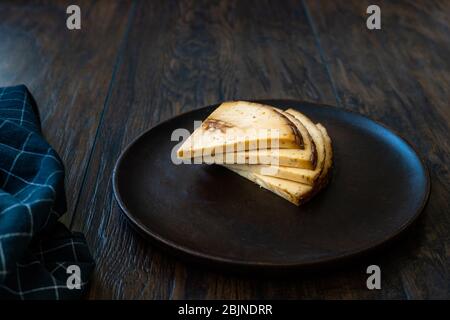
[134,64]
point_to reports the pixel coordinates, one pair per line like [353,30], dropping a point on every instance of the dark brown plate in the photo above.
[379,186]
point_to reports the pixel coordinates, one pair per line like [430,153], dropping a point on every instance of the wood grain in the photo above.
[400,75]
[199,55]
[68,72]
[191,56]
[135,64]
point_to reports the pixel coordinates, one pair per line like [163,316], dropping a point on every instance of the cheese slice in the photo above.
[325,174]
[295,192]
[300,158]
[302,175]
[239,126]
[292,191]
[283,157]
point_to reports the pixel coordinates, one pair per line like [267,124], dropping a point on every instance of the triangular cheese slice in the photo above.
[301,175]
[295,192]
[241,125]
[299,158]
[292,191]
[284,157]
[325,174]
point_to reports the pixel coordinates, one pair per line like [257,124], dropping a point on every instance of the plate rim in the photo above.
[205,257]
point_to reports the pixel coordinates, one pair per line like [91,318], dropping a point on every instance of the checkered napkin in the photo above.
[39,257]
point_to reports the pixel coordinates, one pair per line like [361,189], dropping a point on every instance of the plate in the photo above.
[379,186]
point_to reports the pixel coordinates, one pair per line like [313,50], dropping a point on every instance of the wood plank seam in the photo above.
[117,63]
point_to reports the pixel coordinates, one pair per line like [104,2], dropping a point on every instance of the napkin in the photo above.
[39,257]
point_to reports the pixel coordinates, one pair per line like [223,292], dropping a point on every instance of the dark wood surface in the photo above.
[68,73]
[136,63]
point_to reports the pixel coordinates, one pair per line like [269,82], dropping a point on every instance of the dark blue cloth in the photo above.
[39,256]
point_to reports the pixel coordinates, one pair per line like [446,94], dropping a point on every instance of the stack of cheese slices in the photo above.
[282,151]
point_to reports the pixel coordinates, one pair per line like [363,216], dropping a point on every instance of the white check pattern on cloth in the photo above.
[35,249]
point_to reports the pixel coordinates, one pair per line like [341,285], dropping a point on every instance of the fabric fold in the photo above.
[39,257]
